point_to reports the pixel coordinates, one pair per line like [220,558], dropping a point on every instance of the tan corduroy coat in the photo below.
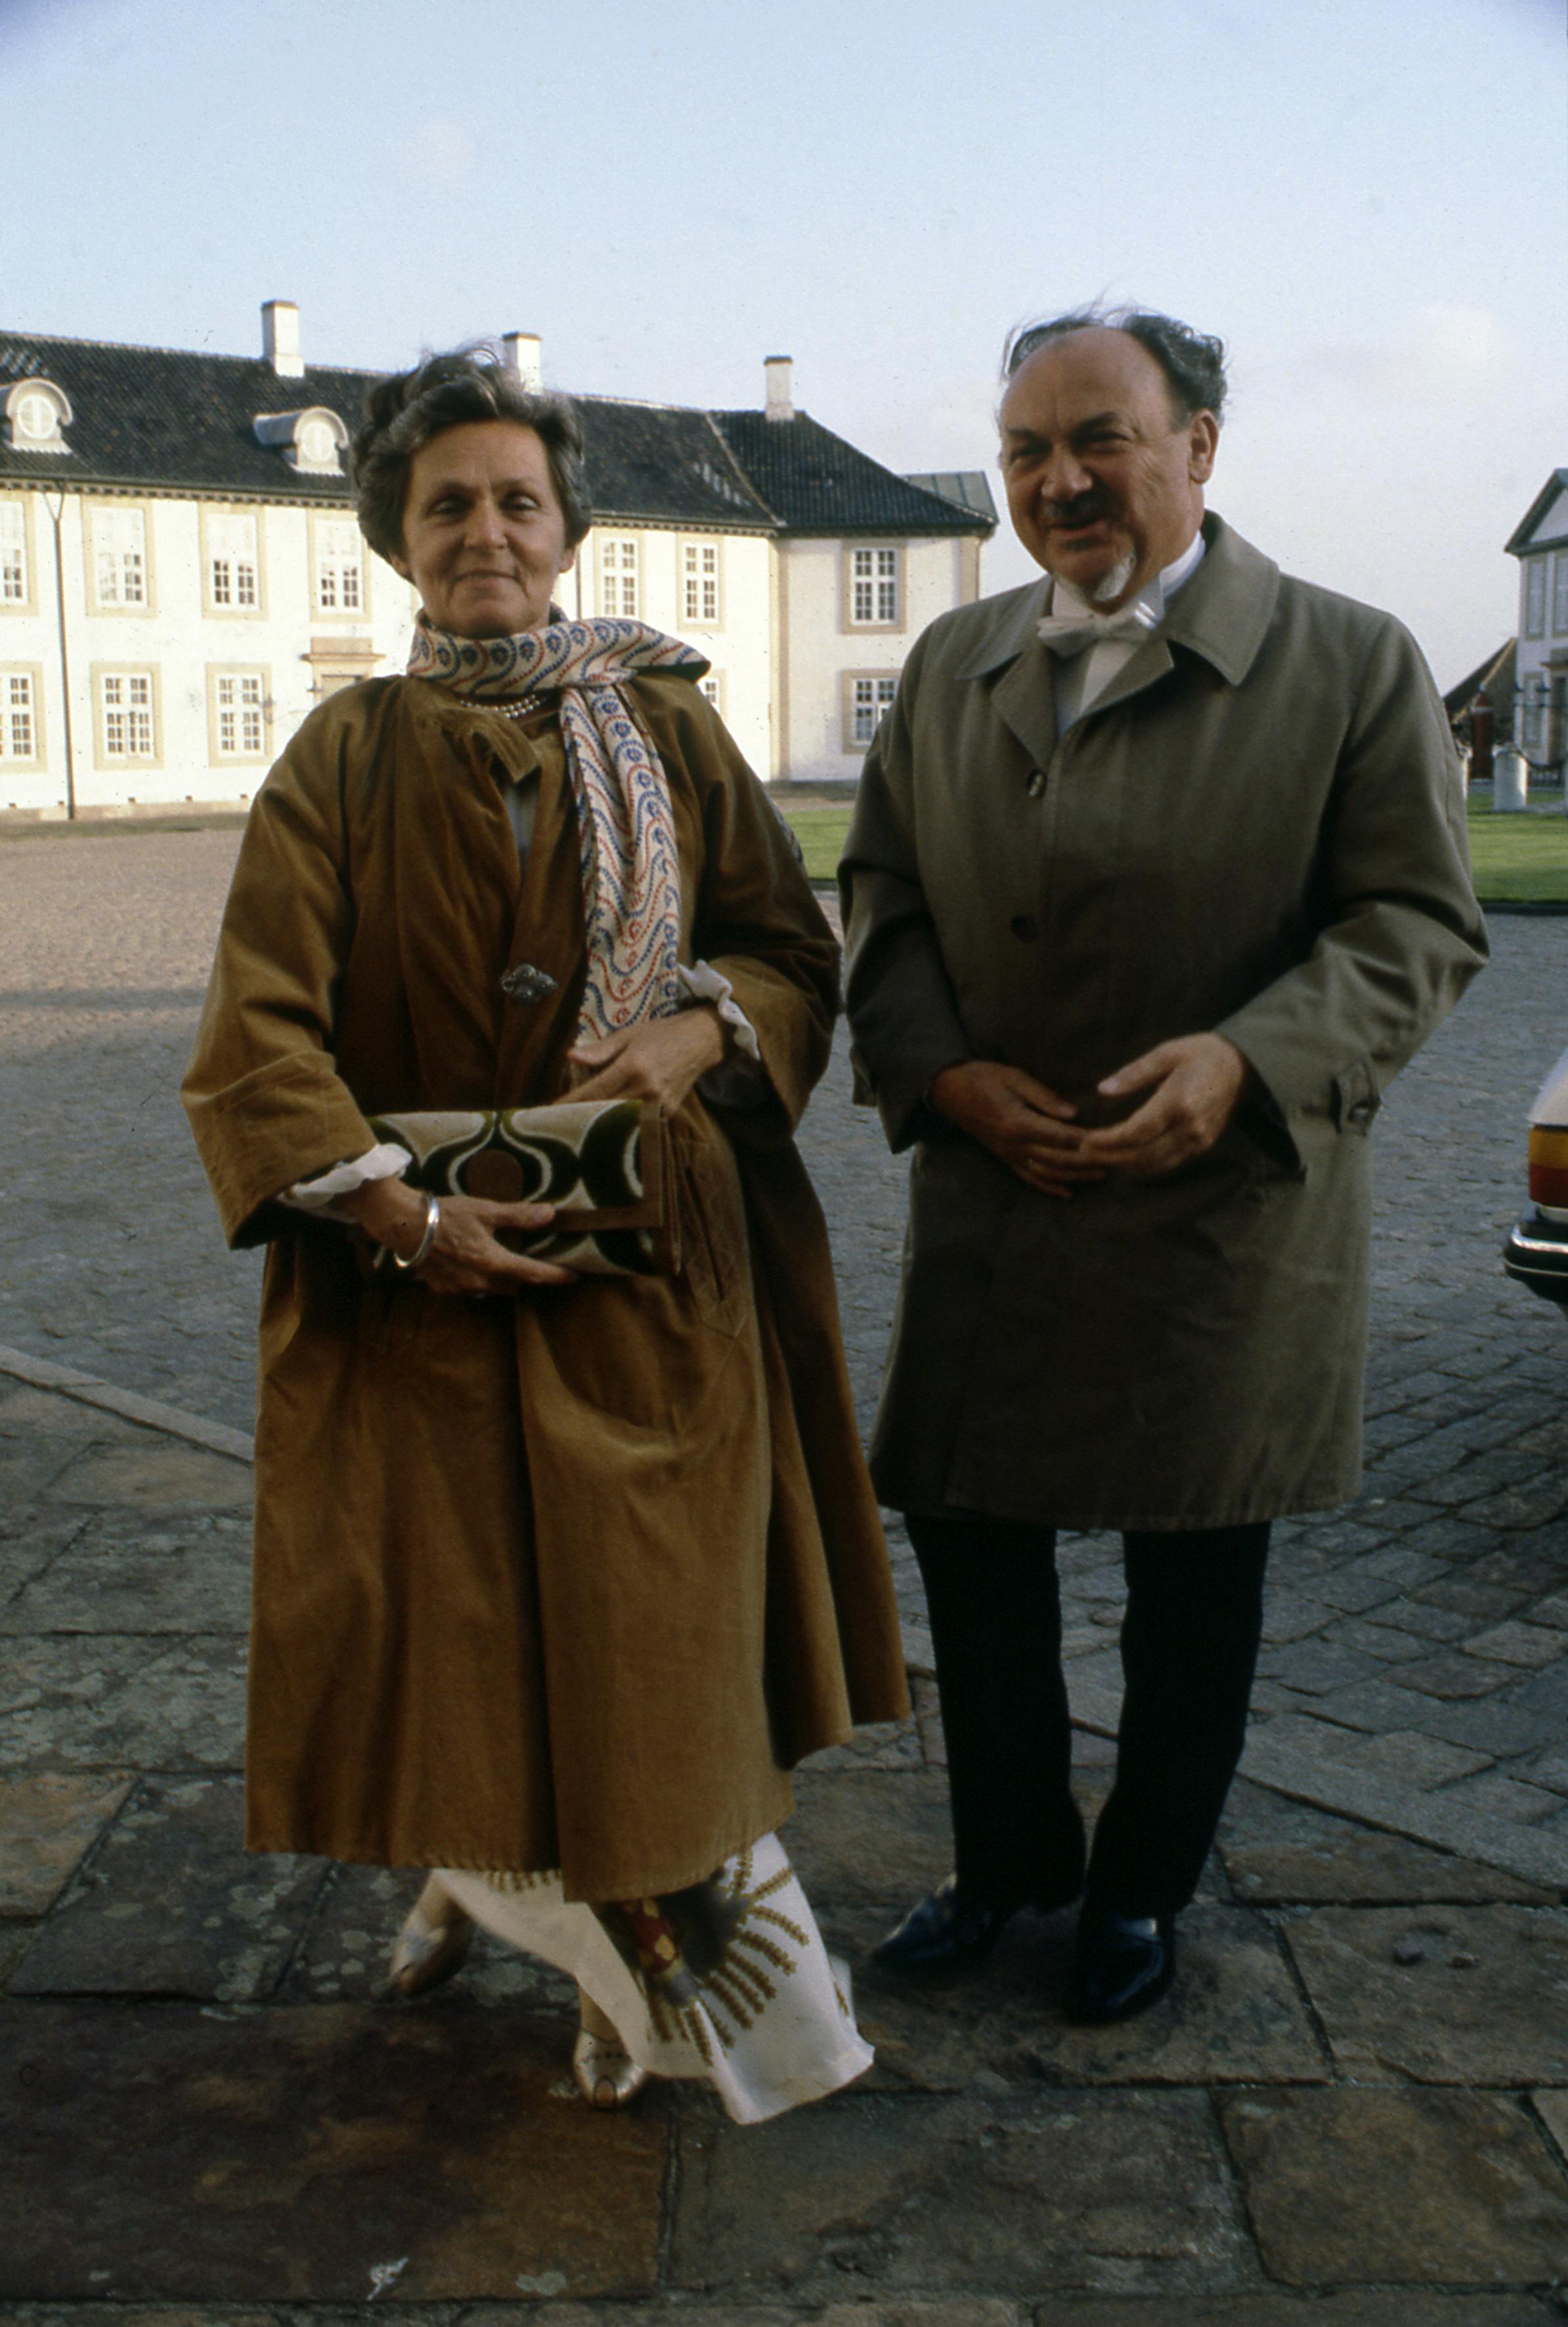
[1258,828]
[563,1581]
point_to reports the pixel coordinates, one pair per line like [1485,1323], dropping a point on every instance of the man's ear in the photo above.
[1202,443]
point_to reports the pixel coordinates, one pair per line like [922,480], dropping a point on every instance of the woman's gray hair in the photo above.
[406,409]
[1193,364]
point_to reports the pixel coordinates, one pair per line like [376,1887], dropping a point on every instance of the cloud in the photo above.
[1436,358]
[442,152]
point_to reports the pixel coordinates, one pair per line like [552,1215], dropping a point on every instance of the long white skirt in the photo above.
[728,1983]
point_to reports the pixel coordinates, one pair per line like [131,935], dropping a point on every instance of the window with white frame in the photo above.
[712,686]
[13,584]
[339,568]
[18,716]
[1535,597]
[119,541]
[126,713]
[239,709]
[233,564]
[874,589]
[871,697]
[1560,595]
[619,577]
[699,577]
[1534,708]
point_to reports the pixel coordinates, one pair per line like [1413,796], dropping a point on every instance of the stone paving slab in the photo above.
[1460,1996]
[1016,2196]
[48,1824]
[82,1703]
[1234,2016]
[1279,1853]
[123,1572]
[170,1904]
[1447,2188]
[169,2152]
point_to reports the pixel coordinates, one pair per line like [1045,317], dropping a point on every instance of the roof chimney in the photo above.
[280,338]
[776,370]
[526,359]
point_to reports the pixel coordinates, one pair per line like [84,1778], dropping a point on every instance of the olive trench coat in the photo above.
[1258,828]
[563,1581]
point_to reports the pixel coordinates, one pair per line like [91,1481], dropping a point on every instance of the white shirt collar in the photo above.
[1155,595]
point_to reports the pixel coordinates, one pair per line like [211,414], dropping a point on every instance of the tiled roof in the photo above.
[1520,539]
[816,483]
[174,419]
[171,416]
[970,487]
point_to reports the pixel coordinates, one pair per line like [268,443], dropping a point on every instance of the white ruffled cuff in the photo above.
[738,1080]
[320,1195]
[703,983]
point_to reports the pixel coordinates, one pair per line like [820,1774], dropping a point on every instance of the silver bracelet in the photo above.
[421,1252]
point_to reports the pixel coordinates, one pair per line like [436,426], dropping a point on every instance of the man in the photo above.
[1157,876]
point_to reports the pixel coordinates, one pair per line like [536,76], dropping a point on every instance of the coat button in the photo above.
[1024,926]
[1036,784]
[1360,1113]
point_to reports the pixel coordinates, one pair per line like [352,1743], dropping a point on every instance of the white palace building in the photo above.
[181,576]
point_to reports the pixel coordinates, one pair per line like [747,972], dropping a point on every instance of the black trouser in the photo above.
[1190,1641]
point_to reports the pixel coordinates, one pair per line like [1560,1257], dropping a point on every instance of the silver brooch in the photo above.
[524,983]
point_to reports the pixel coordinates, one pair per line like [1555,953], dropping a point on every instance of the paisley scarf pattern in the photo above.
[631,873]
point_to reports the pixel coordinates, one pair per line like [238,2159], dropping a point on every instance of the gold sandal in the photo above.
[607,2075]
[432,1944]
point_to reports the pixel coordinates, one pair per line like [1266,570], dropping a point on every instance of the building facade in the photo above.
[1540,542]
[182,579]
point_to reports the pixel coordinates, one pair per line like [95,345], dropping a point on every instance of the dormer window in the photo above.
[36,412]
[313,442]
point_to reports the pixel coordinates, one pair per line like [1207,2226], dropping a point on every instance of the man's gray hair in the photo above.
[406,409]
[1193,364]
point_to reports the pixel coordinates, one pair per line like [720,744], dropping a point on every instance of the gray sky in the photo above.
[1367,199]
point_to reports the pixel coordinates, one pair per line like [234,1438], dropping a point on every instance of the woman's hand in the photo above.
[661,1060]
[465,1256]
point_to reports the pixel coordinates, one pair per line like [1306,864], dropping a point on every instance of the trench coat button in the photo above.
[1360,1113]
[1024,926]
[1036,783]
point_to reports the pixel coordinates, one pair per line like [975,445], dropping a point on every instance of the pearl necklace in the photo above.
[521,709]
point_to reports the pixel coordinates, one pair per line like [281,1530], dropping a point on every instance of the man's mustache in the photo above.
[1086,510]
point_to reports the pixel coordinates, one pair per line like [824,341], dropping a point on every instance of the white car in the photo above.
[1536,1252]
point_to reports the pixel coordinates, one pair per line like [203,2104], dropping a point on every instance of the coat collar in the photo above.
[1222,615]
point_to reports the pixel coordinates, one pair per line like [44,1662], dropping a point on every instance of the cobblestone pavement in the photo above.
[1352,2111]
[1417,1668]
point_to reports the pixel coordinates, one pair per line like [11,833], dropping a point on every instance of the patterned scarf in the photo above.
[631,873]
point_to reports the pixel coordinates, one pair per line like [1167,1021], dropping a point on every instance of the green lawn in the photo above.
[820,832]
[1516,859]
[1519,859]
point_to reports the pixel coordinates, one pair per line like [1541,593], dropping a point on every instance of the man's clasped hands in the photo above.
[1195,1085]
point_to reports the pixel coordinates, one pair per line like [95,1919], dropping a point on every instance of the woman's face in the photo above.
[483,533]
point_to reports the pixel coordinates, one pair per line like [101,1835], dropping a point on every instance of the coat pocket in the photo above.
[712,1227]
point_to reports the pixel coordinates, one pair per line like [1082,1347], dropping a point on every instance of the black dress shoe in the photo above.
[1120,1967]
[949,1933]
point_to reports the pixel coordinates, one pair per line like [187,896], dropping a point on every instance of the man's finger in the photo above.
[1139,1073]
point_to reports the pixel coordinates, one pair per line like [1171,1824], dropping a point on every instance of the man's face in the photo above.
[1105,485]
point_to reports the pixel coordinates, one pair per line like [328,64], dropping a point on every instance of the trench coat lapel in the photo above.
[1024,697]
[1220,615]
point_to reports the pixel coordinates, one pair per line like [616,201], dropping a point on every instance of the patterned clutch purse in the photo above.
[604,1164]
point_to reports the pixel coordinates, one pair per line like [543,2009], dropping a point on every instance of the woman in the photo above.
[554,1577]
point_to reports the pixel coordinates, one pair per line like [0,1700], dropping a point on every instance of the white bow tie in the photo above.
[1070,634]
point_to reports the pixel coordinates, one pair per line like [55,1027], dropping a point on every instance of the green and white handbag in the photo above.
[603,1163]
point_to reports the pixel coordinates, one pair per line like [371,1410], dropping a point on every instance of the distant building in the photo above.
[182,577]
[1496,680]
[1540,542]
